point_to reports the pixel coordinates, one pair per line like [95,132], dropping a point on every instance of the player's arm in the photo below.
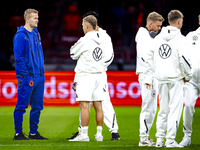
[143,47]
[19,53]
[149,71]
[109,54]
[77,49]
[185,64]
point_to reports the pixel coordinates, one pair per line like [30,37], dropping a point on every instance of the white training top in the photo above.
[194,50]
[93,52]
[170,60]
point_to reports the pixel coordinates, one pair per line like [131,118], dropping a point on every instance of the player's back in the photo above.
[91,59]
[169,46]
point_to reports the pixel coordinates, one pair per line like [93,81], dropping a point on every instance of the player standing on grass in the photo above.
[171,69]
[192,88]
[29,64]
[90,56]
[144,39]
[108,111]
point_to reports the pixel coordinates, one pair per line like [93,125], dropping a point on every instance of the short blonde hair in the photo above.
[154,16]
[199,17]
[91,20]
[28,12]
[174,15]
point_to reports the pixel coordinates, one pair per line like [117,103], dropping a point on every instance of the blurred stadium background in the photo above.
[60,26]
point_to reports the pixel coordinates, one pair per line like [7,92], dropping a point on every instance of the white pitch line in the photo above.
[62,145]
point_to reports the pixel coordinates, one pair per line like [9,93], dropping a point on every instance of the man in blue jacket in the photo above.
[29,66]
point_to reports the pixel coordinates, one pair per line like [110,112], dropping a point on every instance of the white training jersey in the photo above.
[143,46]
[90,53]
[170,59]
[194,49]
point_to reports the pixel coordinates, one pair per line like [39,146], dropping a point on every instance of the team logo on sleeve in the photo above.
[165,51]
[195,38]
[97,53]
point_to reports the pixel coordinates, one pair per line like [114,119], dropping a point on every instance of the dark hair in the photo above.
[93,13]
[174,15]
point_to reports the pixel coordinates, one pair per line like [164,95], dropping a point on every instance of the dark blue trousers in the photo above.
[30,91]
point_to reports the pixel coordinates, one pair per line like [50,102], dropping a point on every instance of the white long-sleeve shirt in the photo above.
[169,57]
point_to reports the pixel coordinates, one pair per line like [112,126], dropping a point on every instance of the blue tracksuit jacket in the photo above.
[29,59]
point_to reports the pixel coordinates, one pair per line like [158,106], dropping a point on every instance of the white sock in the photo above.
[99,131]
[84,130]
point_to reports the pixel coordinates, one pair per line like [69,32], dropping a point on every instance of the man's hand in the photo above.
[148,86]
[74,86]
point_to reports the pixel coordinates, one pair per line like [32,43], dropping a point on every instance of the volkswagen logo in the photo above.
[165,51]
[97,53]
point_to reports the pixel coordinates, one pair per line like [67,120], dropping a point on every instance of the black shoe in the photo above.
[75,135]
[37,136]
[115,136]
[20,136]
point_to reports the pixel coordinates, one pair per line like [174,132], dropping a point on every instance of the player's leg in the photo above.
[161,122]
[85,113]
[189,97]
[24,94]
[148,111]
[110,119]
[99,120]
[84,90]
[37,106]
[85,118]
[175,110]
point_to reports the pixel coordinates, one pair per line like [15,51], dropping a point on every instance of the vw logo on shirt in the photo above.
[97,53]
[165,51]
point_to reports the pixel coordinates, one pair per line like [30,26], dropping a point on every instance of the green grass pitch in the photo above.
[58,123]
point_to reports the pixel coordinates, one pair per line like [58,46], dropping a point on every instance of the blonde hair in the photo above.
[91,20]
[174,15]
[28,12]
[199,17]
[154,16]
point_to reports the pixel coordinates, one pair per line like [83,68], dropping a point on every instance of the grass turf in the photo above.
[58,123]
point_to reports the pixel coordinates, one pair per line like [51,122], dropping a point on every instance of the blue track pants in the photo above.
[30,91]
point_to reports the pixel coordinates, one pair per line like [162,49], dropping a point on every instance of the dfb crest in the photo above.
[97,53]
[164,51]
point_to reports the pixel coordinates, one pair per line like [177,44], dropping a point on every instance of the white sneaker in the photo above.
[172,144]
[98,138]
[147,142]
[186,141]
[80,138]
[159,144]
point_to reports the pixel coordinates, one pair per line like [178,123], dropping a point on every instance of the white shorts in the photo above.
[90,87]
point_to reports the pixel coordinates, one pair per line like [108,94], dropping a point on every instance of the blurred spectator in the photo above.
[141,20]
[5,63]
[128,26]
[72,21]
[15,21]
